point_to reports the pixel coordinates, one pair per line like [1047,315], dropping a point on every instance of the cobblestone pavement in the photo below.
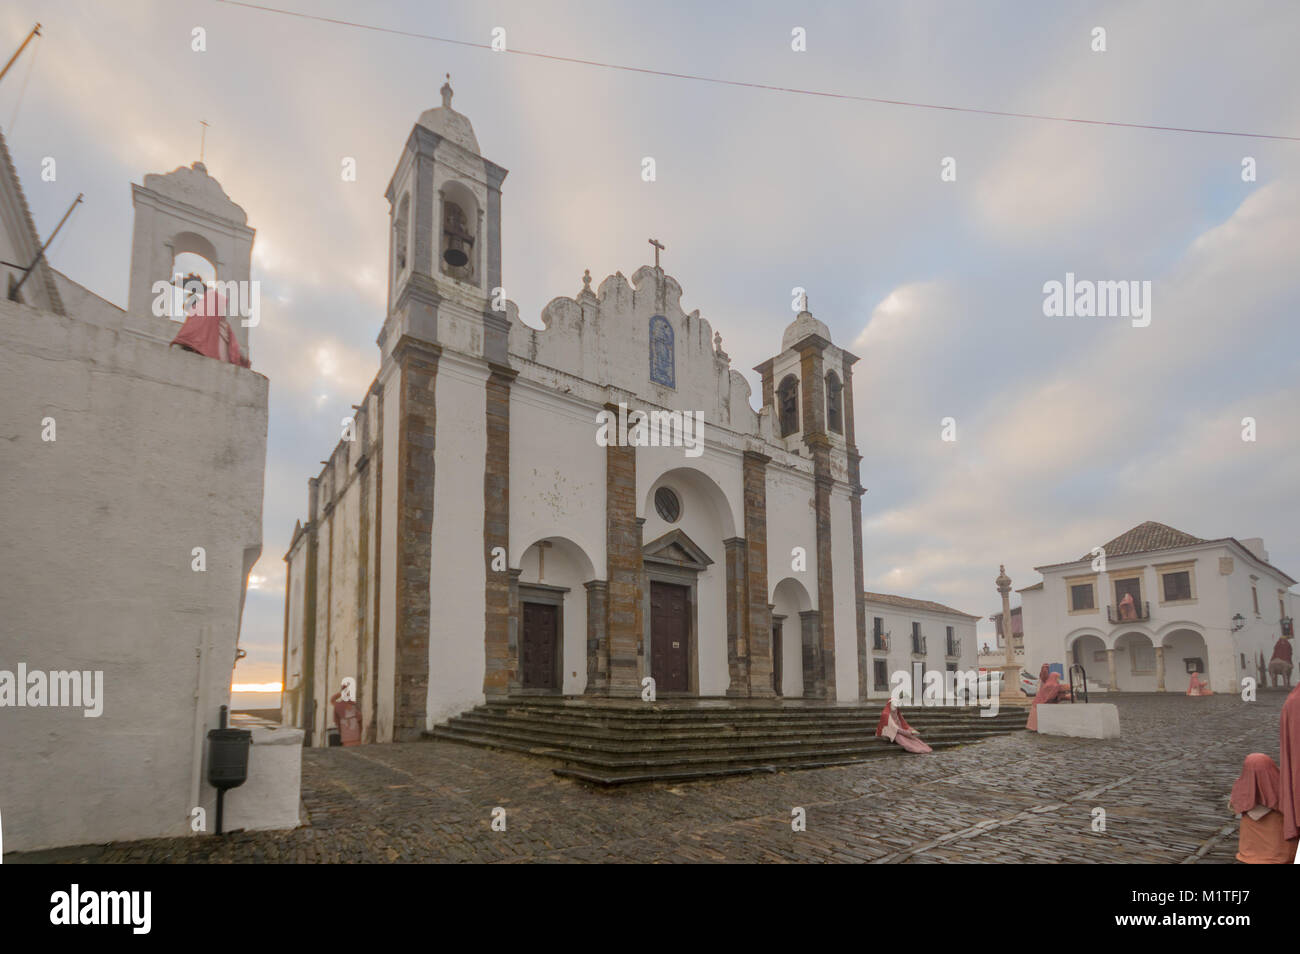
[1018,798]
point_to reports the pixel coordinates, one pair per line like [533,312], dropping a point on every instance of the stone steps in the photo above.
[633,733]
[620,742]
[598,741]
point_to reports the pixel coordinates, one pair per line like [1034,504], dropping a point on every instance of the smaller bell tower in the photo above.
[445,239]
[185,210]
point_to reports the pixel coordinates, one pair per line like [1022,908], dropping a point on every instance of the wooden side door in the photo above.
[539,650]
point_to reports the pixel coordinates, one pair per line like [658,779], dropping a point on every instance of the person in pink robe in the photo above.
[347,716]
[1050,691]
[894,727]
[1127,609]
[1289,796]
[1279,667]
[1256,798]
[207,332]
[1198,686]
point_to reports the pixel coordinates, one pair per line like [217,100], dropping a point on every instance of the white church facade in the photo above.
[480,532]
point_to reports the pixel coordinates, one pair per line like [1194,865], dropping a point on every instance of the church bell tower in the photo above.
[444,262]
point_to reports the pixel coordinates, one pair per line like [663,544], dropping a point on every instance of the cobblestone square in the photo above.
[1010,799]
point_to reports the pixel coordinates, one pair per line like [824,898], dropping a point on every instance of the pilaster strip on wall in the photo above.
[417,427]
[623,634]
[758,611]
[502,666]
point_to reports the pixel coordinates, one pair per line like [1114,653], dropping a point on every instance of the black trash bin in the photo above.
[228,757]
[227,760]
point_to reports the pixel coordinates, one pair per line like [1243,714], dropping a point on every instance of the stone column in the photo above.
[737,643]
[501,672]
[757,611]
[624,570]
[774,621]
[1160,669]
[1010,694]
[1110,670]
[514,634]
[597,651]
[417,427]
[810,644]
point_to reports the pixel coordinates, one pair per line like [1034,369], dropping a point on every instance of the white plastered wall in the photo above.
[457,573]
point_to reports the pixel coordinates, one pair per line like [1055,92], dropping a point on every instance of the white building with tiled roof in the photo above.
[902,631]
[1211,606]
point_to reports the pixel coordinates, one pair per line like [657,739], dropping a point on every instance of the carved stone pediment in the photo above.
[675,548]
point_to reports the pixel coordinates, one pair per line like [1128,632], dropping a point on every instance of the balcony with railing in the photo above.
[880,642]
[952,647]
[1130,613]
[918,645]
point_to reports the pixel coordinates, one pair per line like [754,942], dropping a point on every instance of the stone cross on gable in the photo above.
[658,248]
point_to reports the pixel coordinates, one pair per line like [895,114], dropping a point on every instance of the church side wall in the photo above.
[458,564]
[295,669]
[342,564]
[157,451]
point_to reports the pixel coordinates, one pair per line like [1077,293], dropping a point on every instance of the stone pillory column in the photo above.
[623,559]
[758,610]
[1010,694]
[417,426]
[502,663]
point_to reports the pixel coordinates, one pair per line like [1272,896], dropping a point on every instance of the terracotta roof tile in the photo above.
[1146,537]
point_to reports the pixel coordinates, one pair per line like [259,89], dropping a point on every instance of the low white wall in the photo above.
[270,798]
[1096,720]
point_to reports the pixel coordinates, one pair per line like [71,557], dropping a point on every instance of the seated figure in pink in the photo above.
[894,727]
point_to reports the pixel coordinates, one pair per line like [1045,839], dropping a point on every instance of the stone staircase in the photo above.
[616,742]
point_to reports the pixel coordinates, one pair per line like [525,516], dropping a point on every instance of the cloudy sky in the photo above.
[1069,430]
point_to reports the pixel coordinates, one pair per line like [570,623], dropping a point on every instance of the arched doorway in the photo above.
[552,617]
[1089,651]
[1135,663]
[1185,652]
[690,551]
[791,606]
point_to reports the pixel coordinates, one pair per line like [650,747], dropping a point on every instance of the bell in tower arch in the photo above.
[457,241]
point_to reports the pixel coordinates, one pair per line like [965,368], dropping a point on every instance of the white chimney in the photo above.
[1256,546]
